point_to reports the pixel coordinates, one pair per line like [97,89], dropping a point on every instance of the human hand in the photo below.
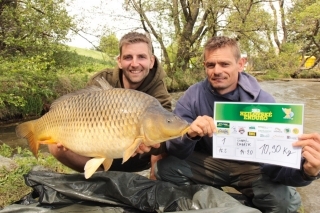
[203,125]
[61,147]
[144,148]
[153,161]
[310,144]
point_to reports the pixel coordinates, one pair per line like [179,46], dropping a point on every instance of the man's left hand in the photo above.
[144,149]
[310,144]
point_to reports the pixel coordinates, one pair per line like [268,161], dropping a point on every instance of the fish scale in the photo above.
[103,123]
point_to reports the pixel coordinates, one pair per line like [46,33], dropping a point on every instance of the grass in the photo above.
[12,186]
[91,53]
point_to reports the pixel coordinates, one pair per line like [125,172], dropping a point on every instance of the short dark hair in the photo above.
[135,37]
[218,42]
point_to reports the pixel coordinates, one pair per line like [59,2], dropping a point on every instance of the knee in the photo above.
[173,170]
[292,200]
[278,200]
[161,169]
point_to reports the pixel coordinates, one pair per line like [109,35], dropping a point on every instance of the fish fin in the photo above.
[47,140]
[26,130]
[104,83]
[91,166]
[88,89]
[107,164]
[132,148]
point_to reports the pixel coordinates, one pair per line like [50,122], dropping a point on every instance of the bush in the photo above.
[28,84]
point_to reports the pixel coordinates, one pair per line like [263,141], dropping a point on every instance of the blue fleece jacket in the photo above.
[199,100]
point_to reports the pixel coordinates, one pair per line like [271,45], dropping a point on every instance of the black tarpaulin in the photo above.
[115,192]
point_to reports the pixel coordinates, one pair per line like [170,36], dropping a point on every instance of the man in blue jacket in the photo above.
[190,161]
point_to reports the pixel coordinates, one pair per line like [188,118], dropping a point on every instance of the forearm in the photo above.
[181,147]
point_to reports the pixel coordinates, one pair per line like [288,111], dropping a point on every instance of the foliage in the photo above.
[93,55]
[30,27]
[12,186]
[109,44]
[187,24]
[284,63]
[263,28]
[30,84]
[251,25]
[305,24]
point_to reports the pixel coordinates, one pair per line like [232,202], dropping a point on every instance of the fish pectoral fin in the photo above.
[132,148]
[46,140]
[107,164]
[91,166]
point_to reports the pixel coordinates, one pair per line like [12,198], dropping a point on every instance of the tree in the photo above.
[31,26]
[304,27]
[267,30]
[109,44]
[250,24]
[187,24]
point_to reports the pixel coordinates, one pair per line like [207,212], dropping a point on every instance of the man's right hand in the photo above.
[203,125]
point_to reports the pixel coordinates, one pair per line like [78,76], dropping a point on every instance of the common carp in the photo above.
[103,123]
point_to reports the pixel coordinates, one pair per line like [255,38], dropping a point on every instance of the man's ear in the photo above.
[119,61]
[152,61]
[242,62]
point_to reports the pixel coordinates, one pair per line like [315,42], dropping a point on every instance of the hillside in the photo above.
[91,53]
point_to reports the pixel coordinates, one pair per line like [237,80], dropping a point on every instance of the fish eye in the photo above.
[169,121]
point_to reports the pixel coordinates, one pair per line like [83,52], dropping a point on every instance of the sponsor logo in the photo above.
[223,131]
[264,135]
[278,137]
[264,127]
[223,125]
[234,130]
[241,130]
[277,130]
[252,133]
[295,131]
[287,130]
[292,137]
[288,113]
[265,130]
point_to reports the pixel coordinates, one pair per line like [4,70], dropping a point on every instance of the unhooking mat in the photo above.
[115,192]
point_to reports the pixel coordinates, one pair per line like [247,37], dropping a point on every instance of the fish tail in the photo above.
[26,130]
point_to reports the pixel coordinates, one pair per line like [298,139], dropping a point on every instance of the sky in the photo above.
[96,17]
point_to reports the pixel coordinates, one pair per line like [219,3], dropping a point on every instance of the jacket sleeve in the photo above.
[183,147]
[160,92]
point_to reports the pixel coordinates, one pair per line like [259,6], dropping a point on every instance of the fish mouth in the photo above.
[183,132]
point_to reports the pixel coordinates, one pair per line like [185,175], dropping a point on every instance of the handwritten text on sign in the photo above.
[267,141]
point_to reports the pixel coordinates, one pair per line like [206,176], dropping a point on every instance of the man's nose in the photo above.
[217,69]
[134,62]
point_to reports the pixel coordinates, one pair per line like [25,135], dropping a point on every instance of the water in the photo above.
[305,92]
[299,92]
